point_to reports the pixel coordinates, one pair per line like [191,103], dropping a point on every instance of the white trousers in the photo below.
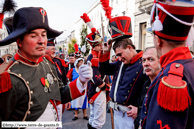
[98,111]
[122,122]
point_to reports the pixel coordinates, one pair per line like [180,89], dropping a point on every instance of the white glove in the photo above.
[85,72]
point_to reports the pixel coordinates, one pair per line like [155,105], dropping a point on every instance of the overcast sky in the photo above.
[62,14]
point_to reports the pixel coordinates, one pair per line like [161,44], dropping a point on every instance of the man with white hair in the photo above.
[151,67]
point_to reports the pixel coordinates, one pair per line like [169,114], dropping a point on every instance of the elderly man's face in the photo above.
[33,44]
[51,51]
[71,60]
[150,62]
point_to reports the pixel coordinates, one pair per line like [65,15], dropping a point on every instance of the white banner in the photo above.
[30,124]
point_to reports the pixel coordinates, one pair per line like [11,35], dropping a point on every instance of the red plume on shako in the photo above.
[94,37]
[77,52]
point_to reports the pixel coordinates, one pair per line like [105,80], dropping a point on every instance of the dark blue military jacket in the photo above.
[97,79]
[131,79]
[61,69]
[152,112]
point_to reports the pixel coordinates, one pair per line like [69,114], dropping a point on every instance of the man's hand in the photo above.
[68,105]
[108,45]
[133,112]
[85,72]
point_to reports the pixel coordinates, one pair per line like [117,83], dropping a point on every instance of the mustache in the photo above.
[152,70]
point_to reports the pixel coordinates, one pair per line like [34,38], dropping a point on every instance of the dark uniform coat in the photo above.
[22,88]
[61,69]
[154,116]
[97,79]
[131,79]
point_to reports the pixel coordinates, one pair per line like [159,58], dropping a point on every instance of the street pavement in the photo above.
[81,123]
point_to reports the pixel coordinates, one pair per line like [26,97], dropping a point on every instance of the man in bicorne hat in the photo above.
[29,83]
[168,104]
[127,71]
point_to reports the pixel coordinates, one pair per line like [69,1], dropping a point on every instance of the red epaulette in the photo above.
[49,58]
[63,63]
[5,79]
[69,73]
[172,91]
[95,62]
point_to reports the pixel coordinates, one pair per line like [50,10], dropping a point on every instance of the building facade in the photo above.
[99,20]
[142,38]
[8,49]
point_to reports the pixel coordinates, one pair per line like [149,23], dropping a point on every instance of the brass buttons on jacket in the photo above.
[27,82]
[28,112]
[19,75]
[31,92]
[16,62]
[31,103]
[8,70]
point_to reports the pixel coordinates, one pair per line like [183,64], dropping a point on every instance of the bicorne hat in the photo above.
[27,19]
[173,20]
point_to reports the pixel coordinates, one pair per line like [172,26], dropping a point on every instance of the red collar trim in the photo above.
[26,60]
[136,57]
[179,53]
[94,53]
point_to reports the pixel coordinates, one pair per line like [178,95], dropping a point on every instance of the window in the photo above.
[142,35]
[112,3]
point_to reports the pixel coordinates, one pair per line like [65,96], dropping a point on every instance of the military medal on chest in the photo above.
[46,82]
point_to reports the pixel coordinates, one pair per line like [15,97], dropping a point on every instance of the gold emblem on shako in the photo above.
[97,38]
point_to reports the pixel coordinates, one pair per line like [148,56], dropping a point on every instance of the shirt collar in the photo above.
[94,53]
[179,53]
[136,57]
[18,56]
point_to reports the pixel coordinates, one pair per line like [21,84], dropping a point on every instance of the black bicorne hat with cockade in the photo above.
[27,19]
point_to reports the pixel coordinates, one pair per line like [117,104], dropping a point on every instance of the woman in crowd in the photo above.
[81,102]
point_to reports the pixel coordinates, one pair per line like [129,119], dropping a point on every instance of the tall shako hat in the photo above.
[51,42]
[27,19]
[173,21]
[119,26]
[9,6]
[77,53]
[94,37]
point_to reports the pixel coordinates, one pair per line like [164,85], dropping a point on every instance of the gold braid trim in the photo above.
[174,87]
